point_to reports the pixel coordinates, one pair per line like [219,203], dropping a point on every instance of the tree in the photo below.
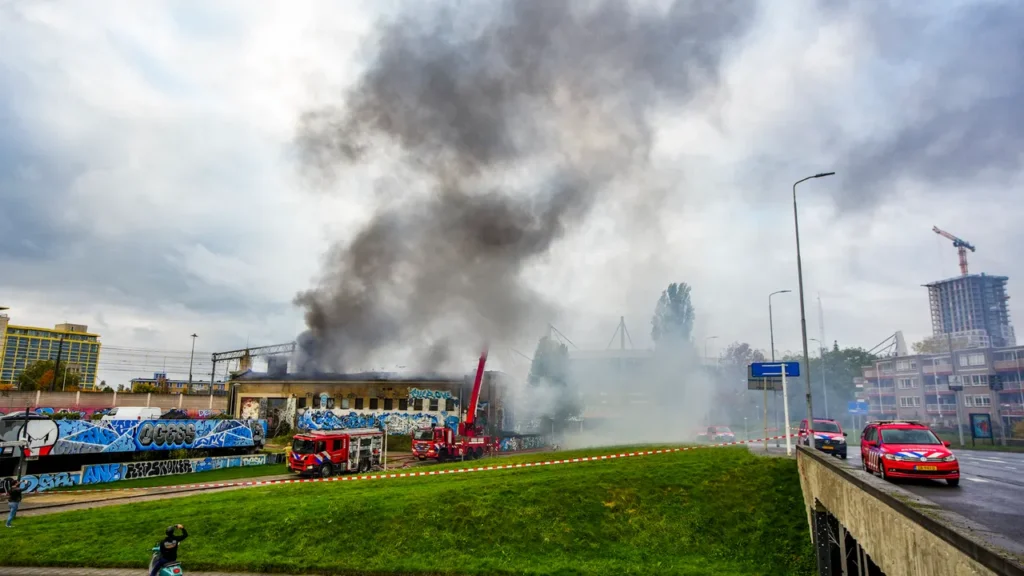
[41,375]
[549,381]
[939,344]
[145,388]
[842,365]
[673,316]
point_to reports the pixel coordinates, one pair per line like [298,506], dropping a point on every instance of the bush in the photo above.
[66,416]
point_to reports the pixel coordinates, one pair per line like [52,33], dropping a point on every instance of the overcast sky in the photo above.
[150,187]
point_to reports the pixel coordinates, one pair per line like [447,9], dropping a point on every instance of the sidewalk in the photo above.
[104,572]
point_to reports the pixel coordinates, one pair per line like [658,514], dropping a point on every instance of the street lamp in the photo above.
[706,346]
[821,358]
[803,315]
[771,329]
[188,390]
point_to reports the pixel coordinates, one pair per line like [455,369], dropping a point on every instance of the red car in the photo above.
[902,449]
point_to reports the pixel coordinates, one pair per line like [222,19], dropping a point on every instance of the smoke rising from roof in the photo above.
[502,127]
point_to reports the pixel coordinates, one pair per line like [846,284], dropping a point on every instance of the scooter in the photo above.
[172,569]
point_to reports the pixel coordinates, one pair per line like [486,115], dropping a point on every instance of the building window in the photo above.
[907,383]
[885,367]
[433,405]
[973,359]
[374,404]
[417,404]
[905,365]
[403,404]
[449,405]
[976,380]
[359,403]
[977,400]
[389,404]
[344,403]
[910,402]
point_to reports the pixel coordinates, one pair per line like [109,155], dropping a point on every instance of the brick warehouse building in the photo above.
[907,386]
[335,401]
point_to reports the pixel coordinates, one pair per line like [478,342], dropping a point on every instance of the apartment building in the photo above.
[916,387]
[79,350]
[972,307]
[178,386]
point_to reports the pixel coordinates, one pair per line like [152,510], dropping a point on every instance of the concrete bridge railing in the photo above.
[860,525]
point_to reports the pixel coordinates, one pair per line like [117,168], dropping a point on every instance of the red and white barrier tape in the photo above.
[383,475]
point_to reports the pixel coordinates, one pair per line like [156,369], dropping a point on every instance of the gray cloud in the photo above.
[517,118]
[960,103]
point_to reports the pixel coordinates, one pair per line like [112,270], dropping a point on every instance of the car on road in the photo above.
[828,436]
[907,449]
[716,434]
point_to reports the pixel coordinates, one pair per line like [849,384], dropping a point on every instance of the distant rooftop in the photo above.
[251,376]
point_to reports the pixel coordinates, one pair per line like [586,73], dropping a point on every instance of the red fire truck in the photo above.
[326,452]
[442,443]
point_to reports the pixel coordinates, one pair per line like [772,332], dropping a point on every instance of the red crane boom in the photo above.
[469,427]
[962,246]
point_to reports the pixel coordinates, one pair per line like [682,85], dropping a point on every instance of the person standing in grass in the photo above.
[14,500]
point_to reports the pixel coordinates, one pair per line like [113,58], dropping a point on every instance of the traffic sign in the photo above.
[771,384]
[770,369]
[857,407]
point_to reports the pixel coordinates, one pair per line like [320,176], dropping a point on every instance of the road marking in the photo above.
[980,480]
[979,459]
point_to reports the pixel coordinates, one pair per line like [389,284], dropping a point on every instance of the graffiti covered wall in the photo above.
[60,437]
[397,422]
[517,443]
[103,473]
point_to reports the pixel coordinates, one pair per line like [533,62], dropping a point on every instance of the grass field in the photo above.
[709,511]
[221,475]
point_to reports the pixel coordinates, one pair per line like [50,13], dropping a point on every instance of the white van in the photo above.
[133,413]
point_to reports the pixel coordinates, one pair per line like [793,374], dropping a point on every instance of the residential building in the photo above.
[79,350]
[178,386]
[972,307]
[916,387]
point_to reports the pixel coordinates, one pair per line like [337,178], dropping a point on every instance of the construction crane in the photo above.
[962,246]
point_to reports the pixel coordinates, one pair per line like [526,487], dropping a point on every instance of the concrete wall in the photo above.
[104,473]
[89,402]
[901,539]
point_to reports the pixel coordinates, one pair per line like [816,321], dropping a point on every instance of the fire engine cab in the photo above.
[327,452]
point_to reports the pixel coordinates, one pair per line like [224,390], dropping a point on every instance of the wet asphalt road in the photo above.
[991,490]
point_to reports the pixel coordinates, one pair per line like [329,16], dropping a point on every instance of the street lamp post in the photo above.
[706,346]
[821,359]
[771,330]
[803,314]
[191,356]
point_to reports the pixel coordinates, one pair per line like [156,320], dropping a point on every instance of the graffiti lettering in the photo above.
[166,434]
[397,423]
[100,473]
[517,443]
[157,468]
[420,394]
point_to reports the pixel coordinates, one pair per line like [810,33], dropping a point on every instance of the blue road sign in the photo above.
[857,407]
[770,369]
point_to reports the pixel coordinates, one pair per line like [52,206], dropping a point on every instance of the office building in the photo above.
[973,308]
[79,350]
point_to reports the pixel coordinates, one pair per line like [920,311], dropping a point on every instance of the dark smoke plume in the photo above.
[505,124]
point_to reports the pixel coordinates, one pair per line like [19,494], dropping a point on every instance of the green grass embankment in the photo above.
[712,511]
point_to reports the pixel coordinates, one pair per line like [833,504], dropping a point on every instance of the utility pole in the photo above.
[959,385]
[821,334]
[56,367]
[803,315]
[188,389]
[771,329]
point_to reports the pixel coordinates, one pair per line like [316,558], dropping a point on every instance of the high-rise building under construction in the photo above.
[973,308]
